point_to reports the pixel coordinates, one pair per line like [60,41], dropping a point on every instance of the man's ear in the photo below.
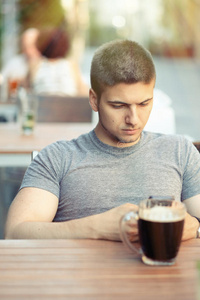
[93,100]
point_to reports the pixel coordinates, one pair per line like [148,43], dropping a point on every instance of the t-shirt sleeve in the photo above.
[45,170]
[191,174]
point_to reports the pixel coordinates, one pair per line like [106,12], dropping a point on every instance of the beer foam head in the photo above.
[161,214]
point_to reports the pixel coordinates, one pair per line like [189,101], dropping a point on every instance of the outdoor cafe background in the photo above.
[168,28]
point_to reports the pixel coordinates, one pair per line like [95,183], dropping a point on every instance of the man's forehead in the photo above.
[129,93]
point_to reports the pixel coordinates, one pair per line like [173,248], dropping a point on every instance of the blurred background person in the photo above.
[15,71]
[56,73]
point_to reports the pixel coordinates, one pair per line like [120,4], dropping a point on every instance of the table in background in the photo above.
[16,148]
[89,269]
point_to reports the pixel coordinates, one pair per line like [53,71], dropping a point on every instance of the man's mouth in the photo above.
[131,130]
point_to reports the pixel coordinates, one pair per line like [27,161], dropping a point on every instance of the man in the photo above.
[82,188]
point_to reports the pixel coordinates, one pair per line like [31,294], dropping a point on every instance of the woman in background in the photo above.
[56,74]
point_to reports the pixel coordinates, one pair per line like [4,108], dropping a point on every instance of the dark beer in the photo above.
[160,241]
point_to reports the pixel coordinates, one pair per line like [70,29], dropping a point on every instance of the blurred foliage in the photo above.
[178,24]
[180,29]
[37,13]
[99,33]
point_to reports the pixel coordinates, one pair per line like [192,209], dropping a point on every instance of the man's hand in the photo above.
[107,224]
[191,225]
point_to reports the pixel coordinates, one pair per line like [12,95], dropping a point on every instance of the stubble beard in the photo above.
[120,142]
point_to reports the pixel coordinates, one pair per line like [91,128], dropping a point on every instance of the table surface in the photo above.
[13,142]
[89,269]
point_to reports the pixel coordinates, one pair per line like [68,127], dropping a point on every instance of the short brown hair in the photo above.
[121,61]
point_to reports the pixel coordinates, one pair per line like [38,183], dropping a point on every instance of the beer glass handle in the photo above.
[130,217]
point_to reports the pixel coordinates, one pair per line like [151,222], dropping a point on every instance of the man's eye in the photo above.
[117,105]
[144,103]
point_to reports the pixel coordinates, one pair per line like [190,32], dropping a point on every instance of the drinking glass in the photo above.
[160,226]
[27,111]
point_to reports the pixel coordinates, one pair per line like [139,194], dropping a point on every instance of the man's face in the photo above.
[123,110]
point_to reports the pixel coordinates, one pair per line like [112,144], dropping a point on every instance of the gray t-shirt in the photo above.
[90,177]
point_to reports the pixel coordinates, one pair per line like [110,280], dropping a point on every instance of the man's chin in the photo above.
[128,143]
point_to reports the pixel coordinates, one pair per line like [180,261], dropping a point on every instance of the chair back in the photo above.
[63,109]
[34,154]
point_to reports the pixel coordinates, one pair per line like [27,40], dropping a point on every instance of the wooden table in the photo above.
[15,148]
[87,269]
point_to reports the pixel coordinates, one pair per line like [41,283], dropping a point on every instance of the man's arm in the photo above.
[32,212]
[191,224]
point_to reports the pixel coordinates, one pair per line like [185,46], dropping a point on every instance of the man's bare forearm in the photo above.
[74,229]
[100,226]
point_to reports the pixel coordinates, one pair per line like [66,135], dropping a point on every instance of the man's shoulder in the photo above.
[166,140]
[76,143]
[164,136]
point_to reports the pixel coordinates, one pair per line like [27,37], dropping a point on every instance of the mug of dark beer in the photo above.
[160,224]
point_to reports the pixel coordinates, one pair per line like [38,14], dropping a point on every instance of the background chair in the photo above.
[10,181]
[63,109]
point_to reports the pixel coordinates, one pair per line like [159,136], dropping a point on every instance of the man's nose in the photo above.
[132,116]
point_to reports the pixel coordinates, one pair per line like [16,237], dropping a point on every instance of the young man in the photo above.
[82,188]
